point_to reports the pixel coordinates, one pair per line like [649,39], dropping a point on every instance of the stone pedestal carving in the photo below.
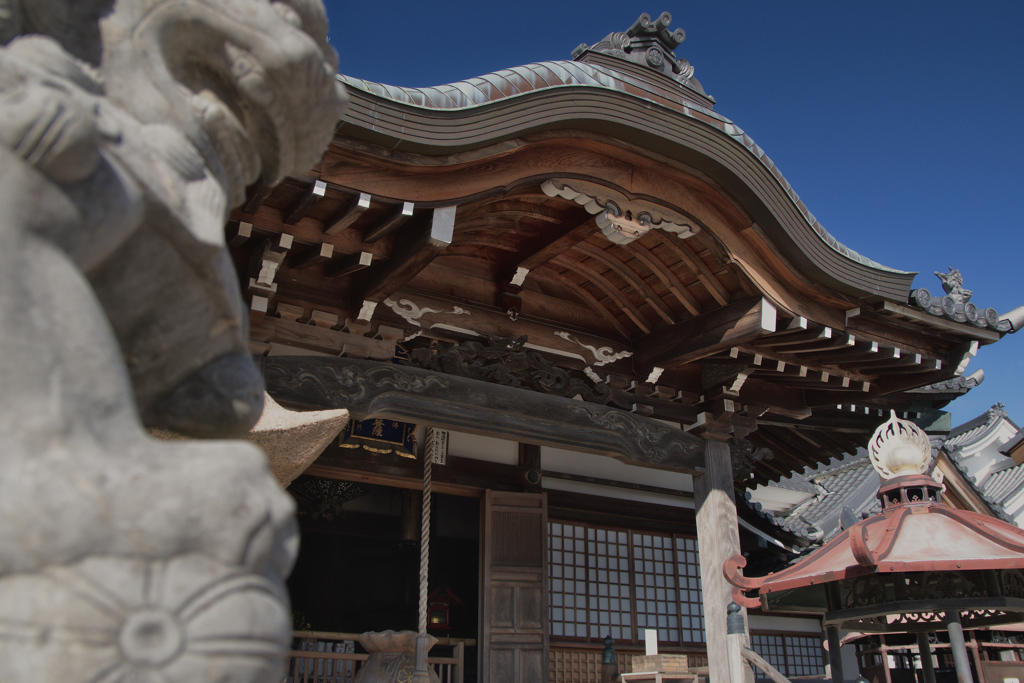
[392,657]
[127,131]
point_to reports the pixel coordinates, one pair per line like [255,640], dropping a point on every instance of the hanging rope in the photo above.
[425,543]
[421,674]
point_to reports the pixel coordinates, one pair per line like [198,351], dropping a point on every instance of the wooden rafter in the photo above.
[606,286]
[683,252]
[706,334]
[668,278]
[633,279]
[412,253]
[586,297]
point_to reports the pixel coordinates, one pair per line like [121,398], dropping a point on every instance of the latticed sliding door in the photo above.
[513,643]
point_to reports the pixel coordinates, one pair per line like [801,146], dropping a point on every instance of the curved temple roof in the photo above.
[683,97]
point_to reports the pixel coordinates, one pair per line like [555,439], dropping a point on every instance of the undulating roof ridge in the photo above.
[685,97]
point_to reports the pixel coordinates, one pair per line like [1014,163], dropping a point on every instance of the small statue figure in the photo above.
[953,285]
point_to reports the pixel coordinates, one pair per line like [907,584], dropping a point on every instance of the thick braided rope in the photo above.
[424,544]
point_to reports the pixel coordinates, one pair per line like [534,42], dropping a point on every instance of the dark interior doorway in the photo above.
[358,565]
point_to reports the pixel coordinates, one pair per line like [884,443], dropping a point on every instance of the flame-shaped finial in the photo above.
[898,448]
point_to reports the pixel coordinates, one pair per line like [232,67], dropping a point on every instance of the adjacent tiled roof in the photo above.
[1006,480]
[969,431]
[849,483]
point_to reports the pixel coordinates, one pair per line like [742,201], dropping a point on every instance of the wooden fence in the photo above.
[322,657]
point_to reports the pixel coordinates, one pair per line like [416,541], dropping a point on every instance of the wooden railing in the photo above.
[328,657]
[571,663]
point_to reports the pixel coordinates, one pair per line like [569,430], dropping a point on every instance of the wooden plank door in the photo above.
[513,587]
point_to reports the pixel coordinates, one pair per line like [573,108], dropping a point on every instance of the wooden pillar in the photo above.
[884,649]
[924,650]
[835,657]
[976,654]
[718,539]
[959,647]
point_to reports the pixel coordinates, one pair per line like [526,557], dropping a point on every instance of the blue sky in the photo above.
[898,123]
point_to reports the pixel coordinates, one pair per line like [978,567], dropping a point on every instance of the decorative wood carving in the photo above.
[370,390]
[745,457]
[602,355]
[411,313]
[620,220]
[505,361]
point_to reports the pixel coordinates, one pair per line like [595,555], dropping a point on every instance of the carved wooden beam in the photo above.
[317,338]
[255,195]
[349,264]
[310,256]
[390,224]
[411,254]
[705,335]
[348,215]
[237,234]
[371,390]
[305,203]
[562,241]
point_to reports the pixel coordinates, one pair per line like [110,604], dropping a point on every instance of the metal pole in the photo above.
[924,649]
[959,647]
[835,657]
[420,674]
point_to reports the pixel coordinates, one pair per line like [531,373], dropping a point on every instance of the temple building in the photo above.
[598,311]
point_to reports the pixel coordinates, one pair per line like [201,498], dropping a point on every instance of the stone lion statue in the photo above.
[128,129]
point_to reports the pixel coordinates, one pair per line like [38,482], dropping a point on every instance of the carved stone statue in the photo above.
[127,131]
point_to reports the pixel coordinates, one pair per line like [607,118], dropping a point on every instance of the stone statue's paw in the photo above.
[153,500]
[182,620]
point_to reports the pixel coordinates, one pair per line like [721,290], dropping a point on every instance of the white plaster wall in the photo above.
[604,467]
[483,448]
[617,493]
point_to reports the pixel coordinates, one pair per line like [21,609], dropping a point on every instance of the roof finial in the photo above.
[647,42]
[898,448]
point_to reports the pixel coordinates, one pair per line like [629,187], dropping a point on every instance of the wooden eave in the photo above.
[366,230]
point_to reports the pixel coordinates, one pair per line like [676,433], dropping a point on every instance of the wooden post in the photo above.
[924,650]
[959,647]
[884,650]
[718,538]
[835,657]
[976,654]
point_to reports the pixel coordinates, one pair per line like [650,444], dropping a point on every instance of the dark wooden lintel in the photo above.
[370,390]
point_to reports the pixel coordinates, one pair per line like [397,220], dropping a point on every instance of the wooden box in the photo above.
[660,663]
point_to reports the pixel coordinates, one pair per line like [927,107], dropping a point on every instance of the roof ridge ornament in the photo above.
[898,448]
[649,43]
[956,304]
